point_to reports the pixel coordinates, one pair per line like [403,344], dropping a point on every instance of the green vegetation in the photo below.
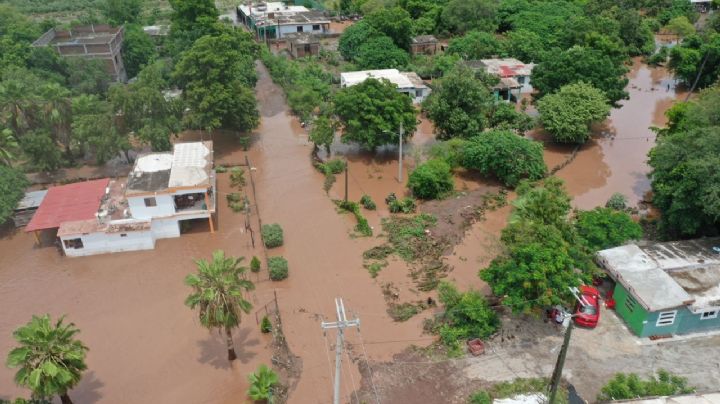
[629,386]
[380,53]
[237,177]
[685,177]
[504,155]
[12,190]
[514,388]
[265,325]
[218,290]
[467,315]
[278,268]
[405,205]
[255,264]
[431,180]
[235,201]
[362,228]
[568,113]
[617,201]
[50,359]
[138,49]
[367,202]
[371,112]
[322,133]
[262,384]
[272,235]
[374,268]
[603,228]
[687,59]
[450,151]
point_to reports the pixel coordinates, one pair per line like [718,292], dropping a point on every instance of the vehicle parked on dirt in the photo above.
[587,311]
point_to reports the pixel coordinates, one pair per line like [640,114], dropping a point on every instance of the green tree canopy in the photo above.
[581,64]
[190,20]
[432,179]
[603,228]
[218,294]
[461,16]
[322,133]
[476,45]
[686,60]
[685,178]
[680,26]
[371,112]
[49,358]
[568,113]
[504,155]
[381,53]
[354,37]
[138,49]
[393,22]
[17,32]
[12,190]
[119,12]
[458,105]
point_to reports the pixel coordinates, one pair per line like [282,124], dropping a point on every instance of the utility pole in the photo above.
[557,373]
[400,155]
[341,324]
[346,178]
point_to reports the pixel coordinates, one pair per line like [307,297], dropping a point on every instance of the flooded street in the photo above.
[615,160]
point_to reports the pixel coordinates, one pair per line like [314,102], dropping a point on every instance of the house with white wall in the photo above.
[514,76]
[112,215]
[407,82]
[275,20]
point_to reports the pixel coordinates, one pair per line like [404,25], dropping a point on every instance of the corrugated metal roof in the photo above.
[32,200]
[68,203]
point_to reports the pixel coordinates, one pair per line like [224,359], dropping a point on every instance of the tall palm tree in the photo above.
[218,294]
[57,112]
[50,359]
[8,147]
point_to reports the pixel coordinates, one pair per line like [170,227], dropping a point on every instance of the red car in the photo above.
[588,315]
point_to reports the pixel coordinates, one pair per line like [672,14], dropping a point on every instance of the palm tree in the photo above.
[8,147]
[218,294]
[50,359]
[262,382]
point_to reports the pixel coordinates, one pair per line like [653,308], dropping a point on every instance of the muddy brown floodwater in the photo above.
[615,159]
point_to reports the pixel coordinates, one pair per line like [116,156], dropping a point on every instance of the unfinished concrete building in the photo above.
[91,42]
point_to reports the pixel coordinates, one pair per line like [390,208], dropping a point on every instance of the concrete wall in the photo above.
[292,29]
[101,243]
[633,318]
[165,228]
[526,86]
[165,206]
[424,49]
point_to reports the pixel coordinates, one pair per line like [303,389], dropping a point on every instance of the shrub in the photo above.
[244,142]
[265,325]
[272,235]
[405,205]
[255,264]
[262,383]
[617,201]
[626,386]
[505,155]
[335,166]
[467,315]
[603,228]
[367,202]
[450,151]
[237,177]
[220,169]
[233,197]
[278,267]
[404,311]
[431,180]
[481,397]
[237,207]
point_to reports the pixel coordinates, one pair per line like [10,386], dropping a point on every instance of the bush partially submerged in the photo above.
[367,202]
[431,180]
[255,264]
[617,201]
[405,205]
[272,235]
[237,177]
[278,268]
[362,227]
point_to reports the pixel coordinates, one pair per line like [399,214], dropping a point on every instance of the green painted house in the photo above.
[666,288]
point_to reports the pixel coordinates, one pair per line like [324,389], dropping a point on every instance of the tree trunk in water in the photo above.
[65,399]
[230,345]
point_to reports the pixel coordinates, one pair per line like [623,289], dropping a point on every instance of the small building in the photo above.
[127,214]
[302,45]
[27,207]
[424,45]
[665,289]
[274,20]
[407,82]
[91,42]
[514,76]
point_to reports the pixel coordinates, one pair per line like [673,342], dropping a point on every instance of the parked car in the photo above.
[588,315]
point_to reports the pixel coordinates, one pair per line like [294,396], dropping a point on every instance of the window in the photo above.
[74,243]
[666,318]
[300,29]
[630,304]
[316,27]
[706,315]
[418,93]
[150,202]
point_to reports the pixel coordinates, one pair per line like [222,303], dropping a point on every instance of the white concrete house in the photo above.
[407,82]
[514,75]
[274,20]
[162,191]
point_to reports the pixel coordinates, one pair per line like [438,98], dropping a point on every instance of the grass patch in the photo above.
[378,253]
[362,228]
[375,267]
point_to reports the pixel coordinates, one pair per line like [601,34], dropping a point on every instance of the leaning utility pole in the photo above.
[341,324]
[400,154]
[557,373]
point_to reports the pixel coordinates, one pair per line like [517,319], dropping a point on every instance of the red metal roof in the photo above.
[68,203]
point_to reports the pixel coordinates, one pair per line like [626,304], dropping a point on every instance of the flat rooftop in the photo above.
[189,165]
[400,79]
[85,35]
[667,275]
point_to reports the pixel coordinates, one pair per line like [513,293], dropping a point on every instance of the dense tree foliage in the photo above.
[476,45]
[504,155]
[685,178]
[393,22]
[119,12]
[322,133]
[355,36]
[461,16]
[12,190]
[381,53]
[216,75]
[581,64]
[603,228]
[432,179]
[467,315]
[568,113]
[371,112]
[697,58]
[191,19]
[138,49]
